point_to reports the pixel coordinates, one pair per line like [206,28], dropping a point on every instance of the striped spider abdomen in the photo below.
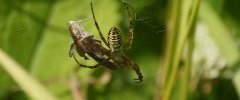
[115,39]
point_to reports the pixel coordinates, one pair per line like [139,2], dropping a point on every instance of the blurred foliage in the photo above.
[35,34]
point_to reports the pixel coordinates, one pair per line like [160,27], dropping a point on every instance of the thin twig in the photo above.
[76,92]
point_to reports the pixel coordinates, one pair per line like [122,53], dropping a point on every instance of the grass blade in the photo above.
[33,88]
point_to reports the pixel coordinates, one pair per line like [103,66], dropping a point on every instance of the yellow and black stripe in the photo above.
[114,39]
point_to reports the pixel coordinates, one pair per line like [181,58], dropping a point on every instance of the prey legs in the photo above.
[71,54]
[79,50]
[94,66]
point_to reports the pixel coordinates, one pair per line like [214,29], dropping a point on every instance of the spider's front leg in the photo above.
[97,26]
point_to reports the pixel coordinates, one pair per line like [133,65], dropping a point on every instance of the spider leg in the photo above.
[110,65]
[135,67]
[138,72]
[98,28]
[130,33]
[94,66]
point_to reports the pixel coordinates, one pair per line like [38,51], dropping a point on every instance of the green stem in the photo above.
[187,67]
[171,42]
[184,33]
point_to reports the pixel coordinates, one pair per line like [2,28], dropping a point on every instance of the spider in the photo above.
[113,58]
[117,46]
[86,44]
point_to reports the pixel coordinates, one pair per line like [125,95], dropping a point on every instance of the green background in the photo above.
[35,34]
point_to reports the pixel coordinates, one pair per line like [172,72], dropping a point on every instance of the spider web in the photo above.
[147,12]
